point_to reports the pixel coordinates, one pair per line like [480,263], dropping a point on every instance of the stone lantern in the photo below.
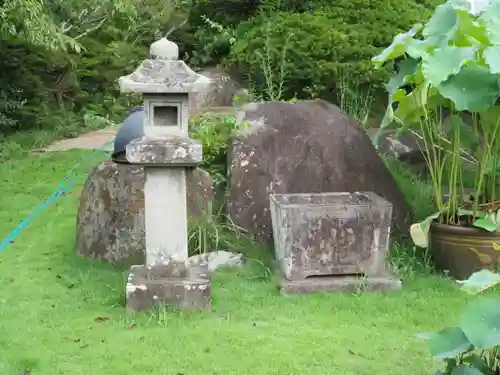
[165,152]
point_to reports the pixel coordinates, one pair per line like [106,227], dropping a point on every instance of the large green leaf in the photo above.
[445,61]
[478,362]
[387,119]
[419,232]
[436,100]
[414,107]
[407,68]
[473,7]
[469,29]
[398,46]
[409,109]
[492,57]
[442,24]
[466,370]
[461,4]
[487,223]
[473,89]
[389,112]
[490,119]
[492,166]
[417,48]
[448,343]
[480,281]
[479,6]
[481,323]
[491,19]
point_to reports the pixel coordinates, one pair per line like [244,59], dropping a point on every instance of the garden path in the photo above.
[100,139]
[95,140]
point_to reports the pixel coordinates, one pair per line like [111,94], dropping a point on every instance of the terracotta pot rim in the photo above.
[456,230]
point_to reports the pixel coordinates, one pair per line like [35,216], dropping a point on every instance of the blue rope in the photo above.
[60,191]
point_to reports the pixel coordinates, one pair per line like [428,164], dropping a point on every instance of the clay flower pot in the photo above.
[463,250]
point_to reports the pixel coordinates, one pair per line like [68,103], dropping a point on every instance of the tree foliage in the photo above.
[62,58]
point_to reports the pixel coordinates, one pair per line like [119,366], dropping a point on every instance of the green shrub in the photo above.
[8,108]
[333,41]
[212,23]
[225,12]
[215,133]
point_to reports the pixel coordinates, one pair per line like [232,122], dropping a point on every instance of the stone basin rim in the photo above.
[343,199]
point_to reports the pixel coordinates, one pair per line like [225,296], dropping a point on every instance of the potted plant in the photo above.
[453,63]
[473,346]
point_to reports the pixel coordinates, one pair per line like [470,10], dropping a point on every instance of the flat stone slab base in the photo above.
[340,284]
[148,287]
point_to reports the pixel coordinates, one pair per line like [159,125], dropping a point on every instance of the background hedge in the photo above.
[46,82]
[331,40]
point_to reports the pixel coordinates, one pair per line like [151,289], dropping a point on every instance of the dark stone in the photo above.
[220,92]
[172,284]
[110,222]
[303,147]
[405,147]
[132,128]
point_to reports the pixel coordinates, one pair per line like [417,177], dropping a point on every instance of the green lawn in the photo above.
[63,315]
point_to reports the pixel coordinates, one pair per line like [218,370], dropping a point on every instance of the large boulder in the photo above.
[220,93]
[302,147]
[110,222]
